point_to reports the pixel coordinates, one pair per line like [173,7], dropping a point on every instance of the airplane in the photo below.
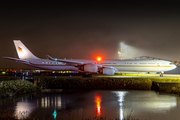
[106,67]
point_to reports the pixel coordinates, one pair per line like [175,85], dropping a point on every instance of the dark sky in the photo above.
[83,30]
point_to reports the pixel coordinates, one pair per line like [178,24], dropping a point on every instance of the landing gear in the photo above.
[161,74]
[87,75]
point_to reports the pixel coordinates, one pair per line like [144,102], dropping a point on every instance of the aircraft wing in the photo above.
[65,61]
[76,63]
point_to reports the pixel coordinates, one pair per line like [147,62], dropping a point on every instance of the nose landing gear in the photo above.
[161,74]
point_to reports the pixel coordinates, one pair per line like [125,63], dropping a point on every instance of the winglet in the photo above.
[64,60]
[50,58]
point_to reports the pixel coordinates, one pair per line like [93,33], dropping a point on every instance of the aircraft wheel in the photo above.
[87,75]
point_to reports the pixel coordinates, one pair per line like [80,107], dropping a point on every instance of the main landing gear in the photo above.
[87,75]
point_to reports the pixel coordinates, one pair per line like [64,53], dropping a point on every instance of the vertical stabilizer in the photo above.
[23,52]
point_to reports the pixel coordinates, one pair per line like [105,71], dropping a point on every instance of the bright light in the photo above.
[122,44]
[99,59]
[128,52]
[98,105]
[54,114]
[121,96]
[3,72]
[23,110]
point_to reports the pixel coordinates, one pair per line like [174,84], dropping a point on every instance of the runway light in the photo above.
[3,72]
[99,59]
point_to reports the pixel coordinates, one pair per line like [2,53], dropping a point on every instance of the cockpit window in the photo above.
[171,63]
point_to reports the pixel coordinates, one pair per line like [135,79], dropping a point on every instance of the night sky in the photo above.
[83,30]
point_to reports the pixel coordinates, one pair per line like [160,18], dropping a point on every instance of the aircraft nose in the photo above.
[174,66]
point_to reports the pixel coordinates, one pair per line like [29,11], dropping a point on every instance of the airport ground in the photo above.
[140,76]
[124,81]
[119,76]
[168,76]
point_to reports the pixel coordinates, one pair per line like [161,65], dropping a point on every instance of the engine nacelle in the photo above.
[108,71]
[91,68]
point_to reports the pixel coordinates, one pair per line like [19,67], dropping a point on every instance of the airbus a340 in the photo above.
[107,67]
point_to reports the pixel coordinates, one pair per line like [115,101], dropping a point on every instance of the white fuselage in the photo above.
[120,65]
[105,66]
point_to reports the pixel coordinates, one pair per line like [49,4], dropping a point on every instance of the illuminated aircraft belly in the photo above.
[63,68]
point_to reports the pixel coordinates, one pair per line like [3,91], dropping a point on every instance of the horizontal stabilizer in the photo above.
[16,59]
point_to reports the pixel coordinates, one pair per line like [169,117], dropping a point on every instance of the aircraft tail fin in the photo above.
[23,52]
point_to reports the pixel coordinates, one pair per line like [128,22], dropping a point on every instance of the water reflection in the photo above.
[50,101]
[23,109]
[98,101]
[151,101]
[120,95]
[82,104]
[54,114]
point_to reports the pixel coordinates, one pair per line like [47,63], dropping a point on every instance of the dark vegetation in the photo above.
[16,87]
[95,83]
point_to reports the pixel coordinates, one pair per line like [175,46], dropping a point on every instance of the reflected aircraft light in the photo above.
[59,102]
[163,105]
[121,96]
[55,102]
[45,102]
[54,114]
[42,102]
[48,102]
[52,102]
[23,110]
[98,105]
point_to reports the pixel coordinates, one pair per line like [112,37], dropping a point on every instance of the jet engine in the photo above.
[107,71]
[91,68]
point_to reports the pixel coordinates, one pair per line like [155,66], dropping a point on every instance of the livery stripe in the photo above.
[139,65]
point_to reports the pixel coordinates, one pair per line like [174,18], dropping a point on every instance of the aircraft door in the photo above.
[159,67]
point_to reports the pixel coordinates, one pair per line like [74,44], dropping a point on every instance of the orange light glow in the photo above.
[99,59]
[98,105]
